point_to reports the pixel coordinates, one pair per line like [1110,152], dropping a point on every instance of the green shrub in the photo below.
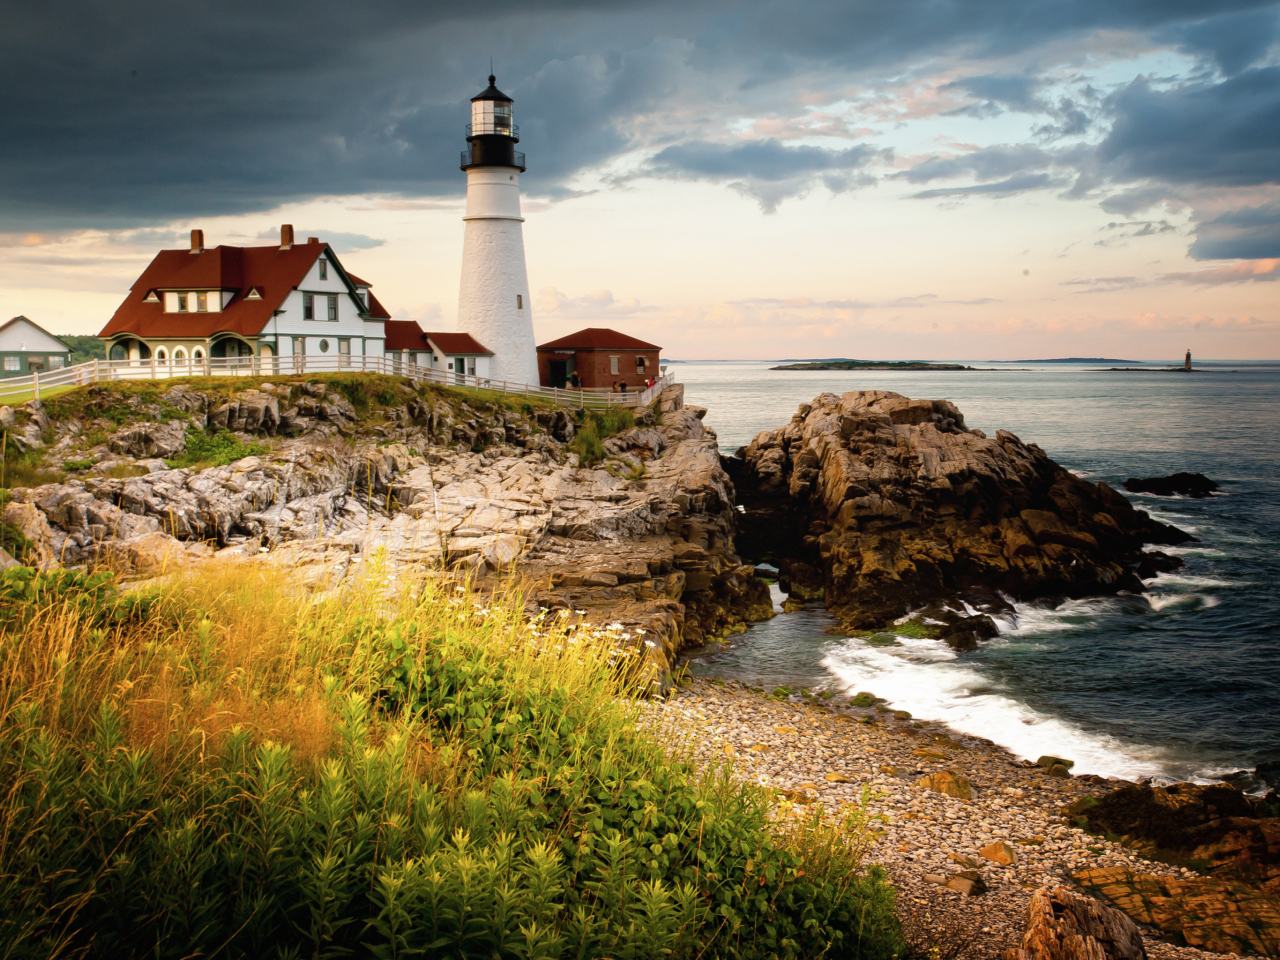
[490,792]
[214,450]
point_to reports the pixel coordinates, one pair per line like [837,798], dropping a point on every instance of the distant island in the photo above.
[1071,360]
[870,365]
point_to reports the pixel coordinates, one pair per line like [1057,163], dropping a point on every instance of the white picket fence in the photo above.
[99,371]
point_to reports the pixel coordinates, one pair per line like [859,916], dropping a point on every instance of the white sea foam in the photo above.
[926,678]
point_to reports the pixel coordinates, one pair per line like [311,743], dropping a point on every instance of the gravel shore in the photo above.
[796,744]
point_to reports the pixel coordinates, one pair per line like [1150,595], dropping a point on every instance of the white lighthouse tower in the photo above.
[493,302]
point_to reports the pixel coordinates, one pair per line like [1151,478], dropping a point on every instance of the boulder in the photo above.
[999,852]
[149,440]
[1186,484]
[949,783]
[1063,925]
[32,524]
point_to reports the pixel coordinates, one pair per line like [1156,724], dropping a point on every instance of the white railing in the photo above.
[18,389]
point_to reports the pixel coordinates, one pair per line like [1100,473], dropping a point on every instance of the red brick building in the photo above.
[599,358]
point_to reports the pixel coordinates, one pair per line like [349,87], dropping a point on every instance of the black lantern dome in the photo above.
[491,136]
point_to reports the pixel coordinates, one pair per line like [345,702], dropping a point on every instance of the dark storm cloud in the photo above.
[1234,41]
[1001,188]
[757,160]
[1221,134]
[767,170]
[1248,233]
[142,111]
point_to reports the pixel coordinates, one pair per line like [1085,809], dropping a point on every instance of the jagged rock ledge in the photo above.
[424,475]
[881,505]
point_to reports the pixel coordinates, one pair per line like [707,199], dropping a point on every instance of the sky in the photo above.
[931,179]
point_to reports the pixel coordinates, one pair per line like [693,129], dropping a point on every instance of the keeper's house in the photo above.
[27,347]
[600,357]
[437,350]
[291,300]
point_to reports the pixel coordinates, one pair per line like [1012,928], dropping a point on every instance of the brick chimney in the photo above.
[286,236]
[197,241]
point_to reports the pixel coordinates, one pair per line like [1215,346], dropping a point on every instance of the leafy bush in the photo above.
[482,788]
[214,450]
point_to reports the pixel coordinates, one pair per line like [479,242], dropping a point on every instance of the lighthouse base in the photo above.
[493,302]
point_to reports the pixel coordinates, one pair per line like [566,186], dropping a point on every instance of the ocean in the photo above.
[1179,683]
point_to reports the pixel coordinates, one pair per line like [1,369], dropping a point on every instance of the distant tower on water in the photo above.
[493,302]
[1186,364]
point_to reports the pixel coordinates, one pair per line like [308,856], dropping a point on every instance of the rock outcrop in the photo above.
[880,505]
[1228,844]
[1062,925]
[645,539]
[1195,485]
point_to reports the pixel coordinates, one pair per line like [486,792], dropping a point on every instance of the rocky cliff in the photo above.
[881,505]
[410,475]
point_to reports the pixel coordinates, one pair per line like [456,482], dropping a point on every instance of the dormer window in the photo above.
[324,269]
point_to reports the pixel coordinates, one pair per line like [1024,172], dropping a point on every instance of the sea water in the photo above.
[1181,682]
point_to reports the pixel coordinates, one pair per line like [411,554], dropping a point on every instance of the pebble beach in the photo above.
[813,751]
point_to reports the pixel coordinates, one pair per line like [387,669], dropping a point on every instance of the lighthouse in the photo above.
[493,302]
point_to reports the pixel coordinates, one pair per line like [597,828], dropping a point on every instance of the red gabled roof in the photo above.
[404,335]
[597,338]
[459,344]
[273,271]
[376,309]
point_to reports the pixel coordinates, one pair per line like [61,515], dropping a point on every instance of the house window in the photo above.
[202,303]
[333,309]
[308,306]
[640,365]
[324,269]
[13,363]
[613,365]
[56,363]
[519,301]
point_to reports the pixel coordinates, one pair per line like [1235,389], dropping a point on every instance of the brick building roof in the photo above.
[597,338]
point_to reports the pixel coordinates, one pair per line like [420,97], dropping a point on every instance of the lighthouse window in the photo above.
[519,301]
